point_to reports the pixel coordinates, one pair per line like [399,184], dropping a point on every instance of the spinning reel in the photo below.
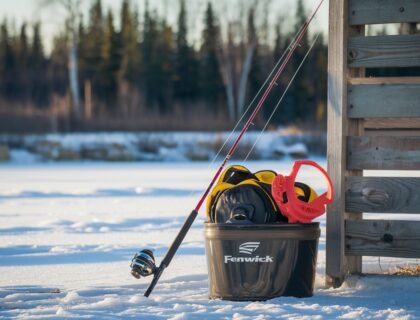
[143,264]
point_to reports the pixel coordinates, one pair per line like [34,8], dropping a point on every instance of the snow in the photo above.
[75,227]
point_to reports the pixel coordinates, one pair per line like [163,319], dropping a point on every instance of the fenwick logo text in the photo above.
[248,259]
[249,248]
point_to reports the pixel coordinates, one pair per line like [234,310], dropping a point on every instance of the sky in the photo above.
[52,16]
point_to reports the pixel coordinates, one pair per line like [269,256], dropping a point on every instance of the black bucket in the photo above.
[260,262]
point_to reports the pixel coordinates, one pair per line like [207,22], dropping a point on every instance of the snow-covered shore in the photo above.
[160,146]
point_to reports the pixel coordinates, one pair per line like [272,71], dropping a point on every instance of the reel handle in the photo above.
[295,209]
[326,197]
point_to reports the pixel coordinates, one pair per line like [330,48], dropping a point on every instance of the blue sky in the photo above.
[52,16]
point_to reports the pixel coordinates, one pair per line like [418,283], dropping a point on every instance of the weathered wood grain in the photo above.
[385,80]
[383,11]
[384,51]
[393,133]
[383,153]
[383,194]
[384,100]
[393,123]
[387,238]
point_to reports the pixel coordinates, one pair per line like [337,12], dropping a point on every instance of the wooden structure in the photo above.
[374,124]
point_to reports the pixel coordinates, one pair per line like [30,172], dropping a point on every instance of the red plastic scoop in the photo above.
[293,208]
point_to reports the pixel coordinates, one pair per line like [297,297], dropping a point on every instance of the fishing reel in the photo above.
[143,264]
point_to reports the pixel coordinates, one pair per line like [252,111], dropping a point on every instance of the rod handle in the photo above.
[171,251]
[155,280]
[179,238]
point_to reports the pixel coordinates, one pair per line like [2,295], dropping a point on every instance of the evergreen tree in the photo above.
[82,60]
[148,55]
[278,50]
[157,51]
[300,19]
[111,61]
[185,65]
[8,69]
[37,49]
[301,90]
[93,47]
[278,42]
[57,70]
[23,48]
[317,63]
[164,66]
[130,60]
[38,63]
[211,87]
[255,76]
[23,65]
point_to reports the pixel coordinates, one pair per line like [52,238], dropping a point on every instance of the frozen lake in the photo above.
[75,227]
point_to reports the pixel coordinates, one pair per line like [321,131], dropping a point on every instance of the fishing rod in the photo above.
[143,263]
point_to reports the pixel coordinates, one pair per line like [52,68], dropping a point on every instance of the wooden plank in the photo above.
[383,11]
[385,80]
[384,51]
[383,194]
[337,264]
[384,100]
[393,123]
[385,238]
[383,153]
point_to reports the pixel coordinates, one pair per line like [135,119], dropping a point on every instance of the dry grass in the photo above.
[406,271]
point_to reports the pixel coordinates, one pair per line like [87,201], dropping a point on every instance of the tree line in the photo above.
[147,66]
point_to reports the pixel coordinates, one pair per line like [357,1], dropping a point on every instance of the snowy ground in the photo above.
[69,231]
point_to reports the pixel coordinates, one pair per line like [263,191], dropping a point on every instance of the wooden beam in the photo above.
[393,123]
[383,194]
[384,100]
[385,238]
[384,51]
[383,153]
[383,11]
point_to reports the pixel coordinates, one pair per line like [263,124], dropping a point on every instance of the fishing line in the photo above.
[252,102]
[257,108]
[281,99]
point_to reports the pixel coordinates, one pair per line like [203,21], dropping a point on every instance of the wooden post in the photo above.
[88,99]
[339,127]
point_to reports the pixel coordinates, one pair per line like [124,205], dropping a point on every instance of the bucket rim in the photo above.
[228,231]
[208,224]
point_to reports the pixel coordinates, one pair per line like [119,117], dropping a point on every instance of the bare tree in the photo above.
[243,81]
[227,73]
[236,57]
[73,12]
